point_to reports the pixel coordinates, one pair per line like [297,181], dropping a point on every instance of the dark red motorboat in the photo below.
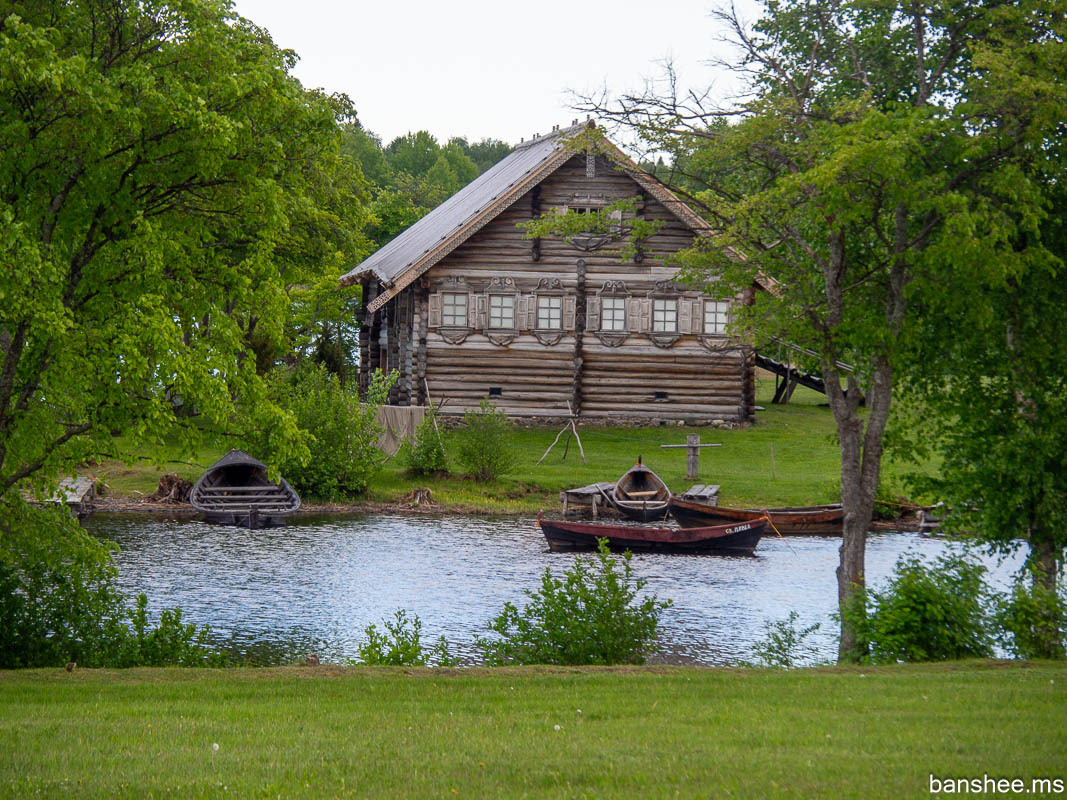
[735,539]
[826,520]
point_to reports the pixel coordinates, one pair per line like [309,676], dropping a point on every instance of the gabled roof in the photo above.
[401,261]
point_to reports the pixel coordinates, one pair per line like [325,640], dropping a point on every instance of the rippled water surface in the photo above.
[314,586]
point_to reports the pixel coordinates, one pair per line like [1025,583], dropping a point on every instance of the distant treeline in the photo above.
[414,173]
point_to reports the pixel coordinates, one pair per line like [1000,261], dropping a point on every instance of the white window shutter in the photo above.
[633,314]
[592,314]
[685,316]
[520,312]
[481,320]
[646,315]
[435,311]
[569,308]
[531,312]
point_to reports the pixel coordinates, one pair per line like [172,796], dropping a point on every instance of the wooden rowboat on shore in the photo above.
[825,520]
[734,539]
[640,494]
[235,490]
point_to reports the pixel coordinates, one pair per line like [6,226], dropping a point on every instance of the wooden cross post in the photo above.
[692,455]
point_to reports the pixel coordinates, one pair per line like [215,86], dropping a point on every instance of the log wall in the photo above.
[633,374]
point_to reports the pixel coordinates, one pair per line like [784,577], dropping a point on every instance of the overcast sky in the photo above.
[484,68]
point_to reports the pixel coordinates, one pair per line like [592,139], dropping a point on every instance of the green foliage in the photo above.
[401,645]
[784,646]
[1033,618]
[165,181]
[59,602]
[926,613]
[426,454]
[616,221]
[342,431]
[483,445]
[592,616]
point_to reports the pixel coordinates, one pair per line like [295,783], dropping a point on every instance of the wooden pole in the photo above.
[692,454]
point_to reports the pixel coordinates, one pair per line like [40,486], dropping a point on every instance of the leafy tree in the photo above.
[164,183]
[162,180]
[484,153]
[858,176]
[989,378]
[365,148]
[343,431]
[415,153]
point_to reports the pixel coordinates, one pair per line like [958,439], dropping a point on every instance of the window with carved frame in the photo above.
[716,316]
[454,309]
[549,312]
[502,311]
[664,315]
[613,313]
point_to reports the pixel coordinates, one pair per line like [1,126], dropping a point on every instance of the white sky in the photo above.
[484,69]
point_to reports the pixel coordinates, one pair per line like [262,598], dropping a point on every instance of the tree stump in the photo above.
[420,497]
[172,489]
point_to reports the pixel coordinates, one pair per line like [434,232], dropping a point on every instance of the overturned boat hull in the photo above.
[235,490]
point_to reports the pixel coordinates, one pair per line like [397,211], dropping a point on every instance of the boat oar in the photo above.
[767,516]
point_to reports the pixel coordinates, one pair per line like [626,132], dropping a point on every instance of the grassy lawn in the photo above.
[640,732]
[804,470]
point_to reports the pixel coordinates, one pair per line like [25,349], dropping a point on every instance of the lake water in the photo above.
[272,596]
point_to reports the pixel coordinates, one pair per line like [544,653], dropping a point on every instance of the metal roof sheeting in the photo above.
[458,211]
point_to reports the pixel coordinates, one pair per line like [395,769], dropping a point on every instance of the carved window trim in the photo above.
[451,333]
[662,293]
[502,287]
[588,241]
[616,292]
[718,313]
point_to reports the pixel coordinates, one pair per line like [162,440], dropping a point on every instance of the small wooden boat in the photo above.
[235,490]
[640,494]
[739,538]
[826,519]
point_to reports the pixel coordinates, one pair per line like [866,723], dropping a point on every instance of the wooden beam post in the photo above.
[692,454]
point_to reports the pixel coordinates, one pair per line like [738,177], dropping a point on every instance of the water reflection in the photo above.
[271,596]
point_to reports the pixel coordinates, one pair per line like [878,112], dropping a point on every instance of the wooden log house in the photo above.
[464,306]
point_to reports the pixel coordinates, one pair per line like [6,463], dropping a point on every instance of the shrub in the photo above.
[483,446]
[784,646]
[401,645]
[344,432]
[59,602]
[426,454]
[1031,619]
[592,616]
[927,613]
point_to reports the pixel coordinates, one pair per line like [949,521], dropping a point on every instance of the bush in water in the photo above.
[927,613]
[1033,618]
[401,645]
[59,602]
[592,616]
[784,646]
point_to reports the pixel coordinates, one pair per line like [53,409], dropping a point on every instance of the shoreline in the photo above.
[130,506]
